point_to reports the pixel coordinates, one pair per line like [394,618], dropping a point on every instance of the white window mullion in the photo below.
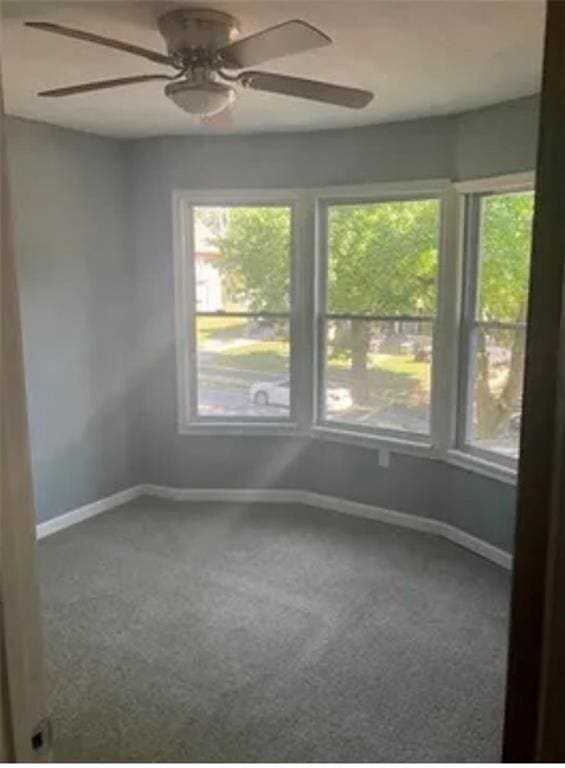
[303,311]
[184,310]
[321,290]
[448,323]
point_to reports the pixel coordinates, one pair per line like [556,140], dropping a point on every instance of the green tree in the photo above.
[255,257]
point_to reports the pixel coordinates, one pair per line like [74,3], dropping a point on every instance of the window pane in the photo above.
[382,257]
[243,367]
[242,258]
[505,245]
[378,374]
[497,371]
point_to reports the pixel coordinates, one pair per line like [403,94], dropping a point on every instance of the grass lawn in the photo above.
[220,328]
[403,365]
[268,356]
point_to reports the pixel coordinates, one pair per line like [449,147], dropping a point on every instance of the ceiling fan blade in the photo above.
[100,85]
[223,119]
[89,37]
[315,90]
[283,40]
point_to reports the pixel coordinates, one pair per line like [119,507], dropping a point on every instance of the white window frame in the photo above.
[381,194]
[183,203]
[307,303]
[463,453]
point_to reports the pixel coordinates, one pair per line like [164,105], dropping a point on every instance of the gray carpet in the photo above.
[220,633]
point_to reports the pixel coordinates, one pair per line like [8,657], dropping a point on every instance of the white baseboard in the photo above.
[291,496]
[88,510]
[227,495]
[414,522]
[282,496]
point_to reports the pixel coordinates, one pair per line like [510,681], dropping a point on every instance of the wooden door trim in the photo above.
[22,690]
[535,699]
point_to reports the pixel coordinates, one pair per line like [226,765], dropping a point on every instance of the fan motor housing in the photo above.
[190,30]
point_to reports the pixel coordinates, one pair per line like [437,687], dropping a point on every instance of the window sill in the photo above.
[239,429]
[376,441]
[488,467]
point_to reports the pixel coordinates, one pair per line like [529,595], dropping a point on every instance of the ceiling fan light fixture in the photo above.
[202,98]
[201,48]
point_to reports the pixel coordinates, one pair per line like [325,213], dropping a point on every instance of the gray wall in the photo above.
[396,151]
[493,141]
[482,506]
[500,139]
[68,198]
[93,239]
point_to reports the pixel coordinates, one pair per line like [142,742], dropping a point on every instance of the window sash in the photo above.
[466,417]
[453,324]
[200,418]
[471,324]
[322,420]
[324,315]
[191,377]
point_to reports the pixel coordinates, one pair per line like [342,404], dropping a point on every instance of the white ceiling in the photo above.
[420,57]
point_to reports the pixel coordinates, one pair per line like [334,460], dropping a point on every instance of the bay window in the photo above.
[358,314]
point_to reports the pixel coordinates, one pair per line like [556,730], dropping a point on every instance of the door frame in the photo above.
[24,724]
[535,696]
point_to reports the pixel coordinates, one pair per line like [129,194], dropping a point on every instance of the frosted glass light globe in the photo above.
[200,98]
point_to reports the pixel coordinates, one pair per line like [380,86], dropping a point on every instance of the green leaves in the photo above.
[255,257]
[506,241]
[383,257]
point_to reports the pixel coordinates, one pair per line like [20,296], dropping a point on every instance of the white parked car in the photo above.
[278,393]
[271,393]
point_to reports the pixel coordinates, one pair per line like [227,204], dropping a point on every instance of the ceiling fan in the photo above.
[203,48]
